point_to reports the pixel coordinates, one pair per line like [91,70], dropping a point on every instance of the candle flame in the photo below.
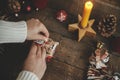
[89,4]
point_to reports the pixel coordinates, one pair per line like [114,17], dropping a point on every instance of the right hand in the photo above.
[35,61]
[36,30]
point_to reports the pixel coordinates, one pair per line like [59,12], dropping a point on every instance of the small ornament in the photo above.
[37,9]
[14,6]
[61,15]
[28,8]
[107,26]
[23,2]
[16,14]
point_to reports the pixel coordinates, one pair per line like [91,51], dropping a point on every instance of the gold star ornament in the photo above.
[82,31]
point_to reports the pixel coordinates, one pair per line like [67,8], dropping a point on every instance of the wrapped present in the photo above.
[49,45]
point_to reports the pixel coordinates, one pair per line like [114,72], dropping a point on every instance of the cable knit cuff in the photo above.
[12,32]
[27,75]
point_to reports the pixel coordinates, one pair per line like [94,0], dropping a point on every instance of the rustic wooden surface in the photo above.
[70,61]
[71,58]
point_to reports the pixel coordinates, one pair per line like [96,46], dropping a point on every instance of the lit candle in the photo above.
[86,13]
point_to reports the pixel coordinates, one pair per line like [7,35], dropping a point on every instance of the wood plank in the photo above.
[71,52]
[114,62]
[60,71]
[71,58]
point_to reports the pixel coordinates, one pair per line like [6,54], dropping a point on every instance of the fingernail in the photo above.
[46,39]
[37,19]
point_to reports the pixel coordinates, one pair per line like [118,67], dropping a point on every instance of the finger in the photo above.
[32,19]
[33,49]
[43,52]
[45,31]
[37,20]
[39,52]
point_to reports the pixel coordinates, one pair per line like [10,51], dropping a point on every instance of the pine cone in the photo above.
[107,26]
[14,5]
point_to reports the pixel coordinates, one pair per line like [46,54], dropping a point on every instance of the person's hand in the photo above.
[35,61]
[36,30]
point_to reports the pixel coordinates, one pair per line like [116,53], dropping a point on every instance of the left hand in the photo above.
[35,61]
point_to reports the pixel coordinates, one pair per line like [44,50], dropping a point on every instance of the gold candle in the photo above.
[86,13]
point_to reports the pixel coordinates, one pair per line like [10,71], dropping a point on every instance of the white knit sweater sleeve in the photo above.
[27,75]
[13,32]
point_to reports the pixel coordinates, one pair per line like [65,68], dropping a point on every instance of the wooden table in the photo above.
[71,59]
